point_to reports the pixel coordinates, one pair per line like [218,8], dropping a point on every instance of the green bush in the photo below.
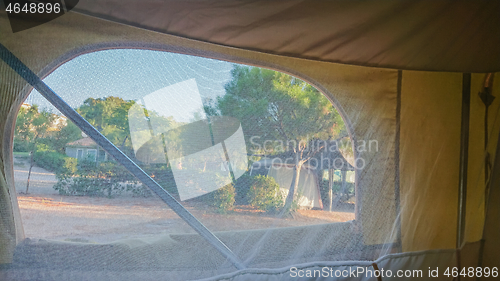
[337,191]
[163,175]
[348,192]
[86,185]
[90,179]
[50,160]
[139,190]
[69,166]
[223,198]
[265,194]
[21,145]
[43,148]
[242,186]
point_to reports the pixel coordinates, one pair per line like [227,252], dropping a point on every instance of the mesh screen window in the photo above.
[228,141]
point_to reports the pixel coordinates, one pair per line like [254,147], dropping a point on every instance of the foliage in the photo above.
[347,193]
[339,196]
[66,132]
[242,186]
[110,117]
[265,194]
[163,175]
[31,124]
[20,145]
[85,177]
[39,131]
[50,160]
[279,113]
[105,179]
[277,106]
[70,166]
[223,198]
[34,127]
[138,190]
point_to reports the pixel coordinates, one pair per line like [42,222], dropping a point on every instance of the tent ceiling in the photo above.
[458,36]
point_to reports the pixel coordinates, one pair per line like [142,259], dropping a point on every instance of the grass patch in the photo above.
[21,154]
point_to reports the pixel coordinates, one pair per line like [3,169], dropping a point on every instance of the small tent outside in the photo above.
[308,188]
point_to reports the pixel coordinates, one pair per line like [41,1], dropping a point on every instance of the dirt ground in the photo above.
[46,214]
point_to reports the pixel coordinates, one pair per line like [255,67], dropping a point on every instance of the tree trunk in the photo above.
[344,175]
[29,172]
[31,163]
[294,185]
[123,143]
[330,187]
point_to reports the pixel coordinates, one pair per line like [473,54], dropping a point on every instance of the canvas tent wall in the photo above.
[399,72]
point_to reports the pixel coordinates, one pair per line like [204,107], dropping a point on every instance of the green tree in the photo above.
[31,126]
[279,113]
[66,132]
[109,116]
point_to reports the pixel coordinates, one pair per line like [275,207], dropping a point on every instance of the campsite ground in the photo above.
[46,214]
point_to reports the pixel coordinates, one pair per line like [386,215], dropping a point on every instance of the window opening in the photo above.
[79,154]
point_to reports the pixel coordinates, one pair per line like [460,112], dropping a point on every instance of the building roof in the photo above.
[84,142]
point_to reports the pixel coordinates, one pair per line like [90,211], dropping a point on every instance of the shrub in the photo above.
[348,192]
[138,190]
[85,185]
[21,145]
[43,147]
[50,160]
[223,198]
[265,194]
[163,175]
[337,191]
[242,186]
[69,166]
[89,179]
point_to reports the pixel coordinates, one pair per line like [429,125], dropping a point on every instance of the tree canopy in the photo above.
[109,116]
[279,113]
[275,106]
[31,125]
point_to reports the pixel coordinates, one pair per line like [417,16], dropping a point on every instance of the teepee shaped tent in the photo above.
[406,74]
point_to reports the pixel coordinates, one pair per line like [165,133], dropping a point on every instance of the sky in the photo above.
[131,74]
[172,85]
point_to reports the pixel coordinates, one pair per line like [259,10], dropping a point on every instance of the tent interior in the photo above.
[416,77]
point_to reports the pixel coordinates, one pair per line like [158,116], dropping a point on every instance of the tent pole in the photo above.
[464,158]
[35,81]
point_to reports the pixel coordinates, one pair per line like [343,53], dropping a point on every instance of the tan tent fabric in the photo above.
[492,227]
[430,141]
[425,35]
[7,224]
[476,195]
[11,231]
[431,145]
[314,41]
